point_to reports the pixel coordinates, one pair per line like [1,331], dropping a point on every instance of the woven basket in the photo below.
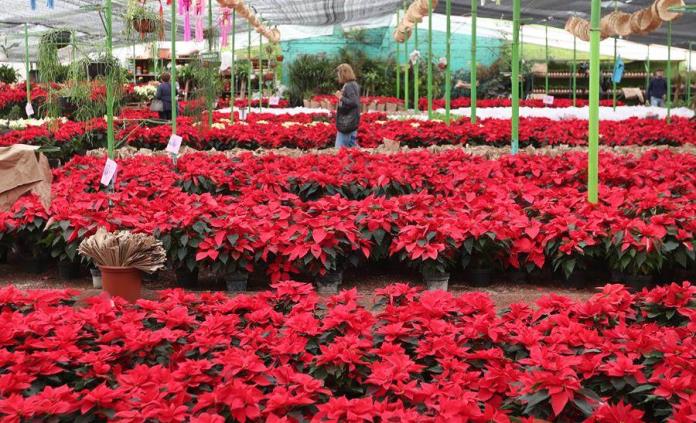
[621,24]
[605,26]
[413,14]
[582,30]
[424,6]
[571,24]
[662,7]
[655,21]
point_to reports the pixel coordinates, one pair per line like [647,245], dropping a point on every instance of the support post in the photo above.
[210,25]
[210,49]
[523,93]
[647,72]
[135,68]
[430,59]
[448,69]
[260,72]
[593,156]
[397,59]
[27,66]
[575,70]
[109,87]
[233,78]
[416,74]
[474,78]
[251,68]
[515,83]
[175,105]
[406,68]
[688,77]
[669,72]
[546,56]
[613,83]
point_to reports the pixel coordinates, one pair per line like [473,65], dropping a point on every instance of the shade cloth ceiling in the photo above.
[86,17]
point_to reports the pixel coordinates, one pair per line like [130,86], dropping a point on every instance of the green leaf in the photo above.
[642,389]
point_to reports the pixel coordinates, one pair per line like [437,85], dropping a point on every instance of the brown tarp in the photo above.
[23,170]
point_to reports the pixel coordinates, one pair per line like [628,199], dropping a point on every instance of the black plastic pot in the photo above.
[578,279]
[436,281]
[480,277]
[329,283]
[150,277]
[67,107]
[516,276]
[633,282]
[4,250]
[186,277]
[68,270]
[236,281]
[59,39]
[95,69]
[35,265]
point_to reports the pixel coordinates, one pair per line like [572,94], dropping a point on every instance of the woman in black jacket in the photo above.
[348,110]
[164,94]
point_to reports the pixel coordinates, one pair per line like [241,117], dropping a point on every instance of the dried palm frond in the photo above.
[124,249]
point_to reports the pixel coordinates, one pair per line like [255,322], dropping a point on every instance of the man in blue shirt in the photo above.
[657,89]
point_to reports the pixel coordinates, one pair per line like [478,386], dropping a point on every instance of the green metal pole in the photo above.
[210,48]
[251,68]
[515,76]
[593,159]
[232,75]
[430,59]
[109,87]
[398,60]
[448,55]
[669,72]
[135,80]
[173,80]
[546,53]
[210,25]
[406,68]
[575,70]
[688,78]
[647,72]
[613,82]
[27,66]
[416,75]
[260,72]
[473,77]
[522,91]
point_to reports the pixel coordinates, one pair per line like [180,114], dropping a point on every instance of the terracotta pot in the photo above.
[125,282]
[279,58]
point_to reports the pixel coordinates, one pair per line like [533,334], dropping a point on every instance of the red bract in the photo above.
[283,355]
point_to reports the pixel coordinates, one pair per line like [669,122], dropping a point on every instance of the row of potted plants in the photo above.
[465,102]
[317,215]
[285,356]
[314,131]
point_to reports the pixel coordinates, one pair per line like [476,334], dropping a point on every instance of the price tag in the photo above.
[548,99]
[109,172]
[274,101]
[174,144]
[29,109]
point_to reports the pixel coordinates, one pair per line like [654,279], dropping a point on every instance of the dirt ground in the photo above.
[502,292]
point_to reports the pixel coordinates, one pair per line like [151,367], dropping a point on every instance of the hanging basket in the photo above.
[621,24]
[655,20]
[424,6]
[145,25]
[413,14]
[662,7]
[59,39]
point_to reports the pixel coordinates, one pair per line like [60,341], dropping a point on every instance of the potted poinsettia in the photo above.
[482,254]
[141,19]
[432,247]
[181,244]
[229,251]
[636,252]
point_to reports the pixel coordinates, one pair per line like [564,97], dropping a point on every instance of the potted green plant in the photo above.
[59,38]
[141,20]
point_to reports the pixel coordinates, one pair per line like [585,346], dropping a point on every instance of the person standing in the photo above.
[164,94]
[348,109]
[657,89]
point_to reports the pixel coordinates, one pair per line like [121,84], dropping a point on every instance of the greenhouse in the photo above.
[348,211]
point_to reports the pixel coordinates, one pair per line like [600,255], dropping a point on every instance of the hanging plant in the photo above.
[58,38]
[142,20]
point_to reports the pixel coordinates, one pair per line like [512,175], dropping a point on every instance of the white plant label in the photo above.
[174,144]
[29,109]
[242,114]
[548,99]
[274,101]
[109,172]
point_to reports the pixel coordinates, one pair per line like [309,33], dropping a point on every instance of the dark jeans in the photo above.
[165,114]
